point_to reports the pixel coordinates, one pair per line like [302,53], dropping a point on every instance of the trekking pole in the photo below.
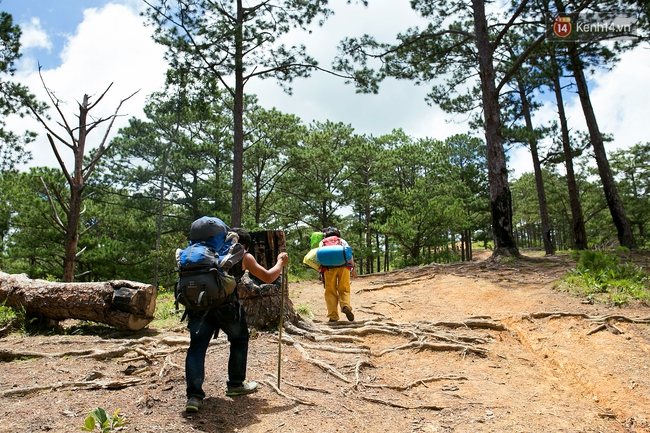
[284,283]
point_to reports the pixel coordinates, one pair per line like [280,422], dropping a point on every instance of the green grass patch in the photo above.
[601,278]
[304,310]
[165,314]
[13,320]
[7,315]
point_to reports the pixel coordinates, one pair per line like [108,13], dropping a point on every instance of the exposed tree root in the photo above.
[124,347]
[310,334]
[357,370]
[396,282]
[416,332]
[394,304]
[149,357]
[422,345]
[10,355]
[328,348]
[372,289]
[168,362]
[603,322]
[369,310]
[363,331]
[608,327]
[317,362]
[401,406]
[456,339]
[287,396]
[596,329]
[484,324]
[303,387]
[595,319]
[74,384]
[412,384]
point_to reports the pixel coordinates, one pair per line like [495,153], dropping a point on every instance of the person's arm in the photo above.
[266,275]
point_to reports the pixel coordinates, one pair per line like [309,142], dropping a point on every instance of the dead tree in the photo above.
[74,138]
[122,304]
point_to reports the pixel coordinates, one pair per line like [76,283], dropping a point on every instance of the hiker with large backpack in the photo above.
[335,256]
[212,307]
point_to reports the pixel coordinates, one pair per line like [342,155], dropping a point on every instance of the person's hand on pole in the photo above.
[283,258]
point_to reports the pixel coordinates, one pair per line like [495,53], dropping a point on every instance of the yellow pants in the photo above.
[337,290]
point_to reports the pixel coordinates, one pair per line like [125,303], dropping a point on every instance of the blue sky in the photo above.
[85,45]
[58,20]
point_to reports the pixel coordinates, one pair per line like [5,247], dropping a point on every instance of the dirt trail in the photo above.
[469,347]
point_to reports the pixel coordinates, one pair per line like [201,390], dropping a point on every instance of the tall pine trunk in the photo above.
[549,246]
[623,227]
[578,230]
[500,196]
[238,119]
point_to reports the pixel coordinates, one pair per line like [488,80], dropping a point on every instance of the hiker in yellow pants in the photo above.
[337,280]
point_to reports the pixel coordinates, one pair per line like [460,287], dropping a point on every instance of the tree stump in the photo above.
[122,304]
[260,300]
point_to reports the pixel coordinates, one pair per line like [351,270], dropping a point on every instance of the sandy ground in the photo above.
[469,347]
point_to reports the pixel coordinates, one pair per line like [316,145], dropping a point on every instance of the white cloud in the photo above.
[620,101]
[399,104]
[111,45]
[33,36]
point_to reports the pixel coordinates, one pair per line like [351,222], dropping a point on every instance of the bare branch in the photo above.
[56,218]
[91,106]
[59,159]
[56,102]
[81,251]
[91,226]
[102,149]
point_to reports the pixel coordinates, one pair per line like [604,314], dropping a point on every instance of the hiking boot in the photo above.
[245,388]
[333,320]
[193,405]
[348,313]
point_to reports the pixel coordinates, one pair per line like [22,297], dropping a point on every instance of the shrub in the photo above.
[105,422]
[601,277]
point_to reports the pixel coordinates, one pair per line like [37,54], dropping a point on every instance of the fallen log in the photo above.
[122,304]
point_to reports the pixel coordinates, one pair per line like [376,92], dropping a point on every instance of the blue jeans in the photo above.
[231,319]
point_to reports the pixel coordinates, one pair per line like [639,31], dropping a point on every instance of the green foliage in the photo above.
[117,240]
[14,98]
[632,173]
[104,422]
[165,314]
[304,310]
[8,316]
[271,136]
[16,320]
[313,187]
[602,278]
[34,245]
[301,272]
[430,189]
